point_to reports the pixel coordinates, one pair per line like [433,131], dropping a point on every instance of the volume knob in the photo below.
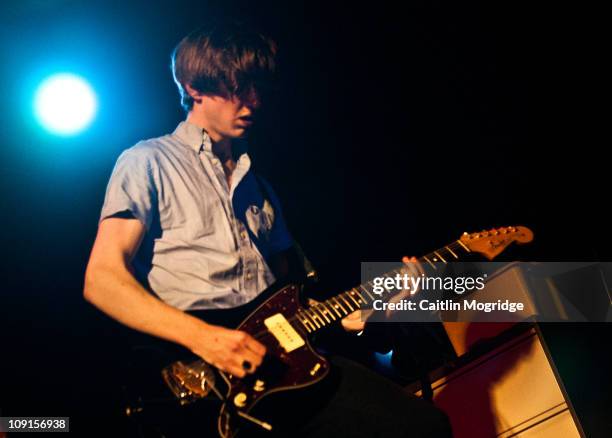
[260,385]
[240,400]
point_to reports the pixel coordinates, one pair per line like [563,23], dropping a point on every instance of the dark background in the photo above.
[395,129]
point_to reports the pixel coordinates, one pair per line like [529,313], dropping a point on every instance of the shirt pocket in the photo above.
[260,220]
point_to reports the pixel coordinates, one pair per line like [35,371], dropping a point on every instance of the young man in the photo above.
[185,218]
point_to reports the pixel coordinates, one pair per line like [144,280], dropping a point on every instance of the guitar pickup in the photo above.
[284,332]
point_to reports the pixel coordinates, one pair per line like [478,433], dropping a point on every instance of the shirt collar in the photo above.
[193,136]
[197,139]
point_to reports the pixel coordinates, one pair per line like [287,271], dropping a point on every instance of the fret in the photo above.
[360,296]
[327,312]
[314,318]
[439,256]
[397,271]
[346,302]
[429,261]
[321,320]
[366,291]
[451,251]
[340,305]
[321,312]
[305,322]
[334,307]
[463,245]
[305,316]
[350,294]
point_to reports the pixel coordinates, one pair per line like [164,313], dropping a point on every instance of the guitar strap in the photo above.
[311,273]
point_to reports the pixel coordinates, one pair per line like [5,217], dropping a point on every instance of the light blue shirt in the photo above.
[206,242]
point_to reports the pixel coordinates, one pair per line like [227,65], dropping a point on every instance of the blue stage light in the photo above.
[384,359]
[65,104]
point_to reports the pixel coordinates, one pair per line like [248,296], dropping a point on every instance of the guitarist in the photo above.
[185,218]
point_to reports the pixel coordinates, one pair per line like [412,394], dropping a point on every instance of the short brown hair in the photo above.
[223,57]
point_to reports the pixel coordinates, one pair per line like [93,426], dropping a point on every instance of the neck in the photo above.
[221,146]
[322,314]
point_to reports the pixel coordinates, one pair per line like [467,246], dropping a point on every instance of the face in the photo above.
[228,116]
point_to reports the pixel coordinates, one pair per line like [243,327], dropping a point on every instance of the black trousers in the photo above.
[351,401]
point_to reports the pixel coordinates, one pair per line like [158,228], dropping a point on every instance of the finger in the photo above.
[236,368]
[236,371]
[247,355]
[418,265]
[410,269]
[312,302]
[414,270]
[230,367]
[413,261]
[352,316]
[244,340]
[410,262]
[366,313]
[353,325]
[255,346]
[414,267]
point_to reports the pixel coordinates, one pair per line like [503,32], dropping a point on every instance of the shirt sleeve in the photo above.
[280,238]
[131,187]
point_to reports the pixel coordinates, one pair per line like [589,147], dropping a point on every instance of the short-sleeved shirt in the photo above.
[206,242]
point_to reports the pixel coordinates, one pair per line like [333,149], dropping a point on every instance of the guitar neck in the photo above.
[325,313]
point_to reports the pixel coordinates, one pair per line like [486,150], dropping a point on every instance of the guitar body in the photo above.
[290,363]
[281,370]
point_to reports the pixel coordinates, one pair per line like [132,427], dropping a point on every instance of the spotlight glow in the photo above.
[65,104]
[384,359]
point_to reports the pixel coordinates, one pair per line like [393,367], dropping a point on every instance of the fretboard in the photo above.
[333,309]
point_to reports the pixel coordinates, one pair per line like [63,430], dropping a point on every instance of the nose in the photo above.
[252,99]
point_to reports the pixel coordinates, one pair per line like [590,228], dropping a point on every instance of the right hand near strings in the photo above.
[228,350]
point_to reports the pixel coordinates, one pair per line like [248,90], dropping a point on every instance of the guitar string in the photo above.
[454,245]
[263,333]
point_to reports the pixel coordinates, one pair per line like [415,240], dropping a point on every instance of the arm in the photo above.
[111,287]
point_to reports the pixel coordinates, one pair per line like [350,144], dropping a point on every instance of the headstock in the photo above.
[492,242]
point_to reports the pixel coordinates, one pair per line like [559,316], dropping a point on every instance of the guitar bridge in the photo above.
[189,382]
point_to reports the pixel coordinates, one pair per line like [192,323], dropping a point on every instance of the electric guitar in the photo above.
[279,320]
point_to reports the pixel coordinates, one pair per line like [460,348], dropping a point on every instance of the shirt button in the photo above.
[249,276]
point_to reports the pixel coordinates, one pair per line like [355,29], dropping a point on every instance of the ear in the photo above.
[195,94]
